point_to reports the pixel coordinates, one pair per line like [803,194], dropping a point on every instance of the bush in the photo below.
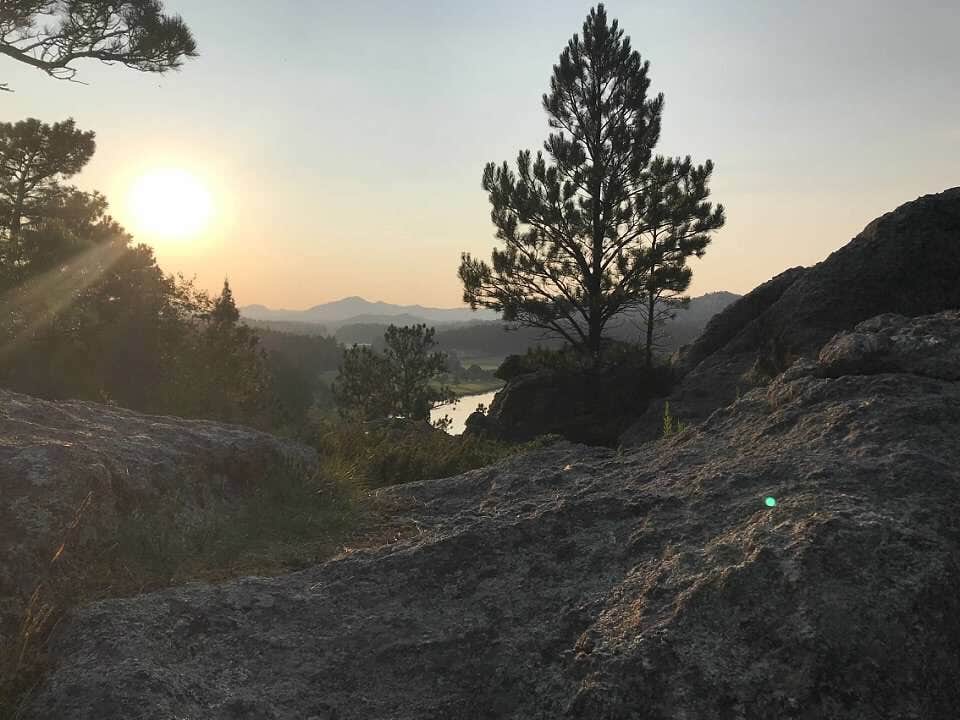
[375,455]
[538,358]
[567,360]
[672,425]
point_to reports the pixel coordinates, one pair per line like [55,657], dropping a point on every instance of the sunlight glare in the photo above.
[170,204]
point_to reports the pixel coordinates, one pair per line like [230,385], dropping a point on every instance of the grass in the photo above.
[672,425]
[373,459]
[293,521]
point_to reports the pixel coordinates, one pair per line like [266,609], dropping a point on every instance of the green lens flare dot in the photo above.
[770,501]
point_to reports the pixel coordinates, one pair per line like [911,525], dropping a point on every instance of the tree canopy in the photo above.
[35,158]
[222,372]
[86,313]
[53,35]
[399,382]
[604,226]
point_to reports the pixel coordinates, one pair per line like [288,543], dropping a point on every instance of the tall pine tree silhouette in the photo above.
[233,376]
[603,227]
[224,307]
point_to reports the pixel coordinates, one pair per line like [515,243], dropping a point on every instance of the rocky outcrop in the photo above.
[905,262]
[928,346]
[734,319]
[77,468]
[591,406]
[796,556]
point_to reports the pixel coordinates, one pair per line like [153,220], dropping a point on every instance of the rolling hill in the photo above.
[466,333]
[358,310]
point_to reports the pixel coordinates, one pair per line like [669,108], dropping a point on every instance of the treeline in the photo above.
[302,369]
[480,338]
[494,339]
[87,313]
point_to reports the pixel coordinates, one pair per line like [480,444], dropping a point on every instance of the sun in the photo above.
[169,203]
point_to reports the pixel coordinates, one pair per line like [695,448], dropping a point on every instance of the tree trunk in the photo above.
[16,218]
[596,336]
[651,297]
[651,308]
[599,170]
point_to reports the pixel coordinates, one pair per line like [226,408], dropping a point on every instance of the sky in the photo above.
[342,143]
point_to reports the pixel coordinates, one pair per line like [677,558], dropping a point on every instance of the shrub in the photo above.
[538,358]
[671,425]
[375,455]
[614,354]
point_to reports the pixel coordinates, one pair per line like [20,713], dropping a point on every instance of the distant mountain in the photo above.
[687,324]
[356,310]
[471,334]
[490,339]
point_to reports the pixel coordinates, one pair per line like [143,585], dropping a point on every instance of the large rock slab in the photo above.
[905,262]
[580,582]
[74,469]
[895,344]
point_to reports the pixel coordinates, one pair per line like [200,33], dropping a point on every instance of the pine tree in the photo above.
[232,371]
[604,227]
[678,222]
[225,310]
[399,382]
[34,159]
[52,35]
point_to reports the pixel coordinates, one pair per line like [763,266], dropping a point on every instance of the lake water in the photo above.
[461,410]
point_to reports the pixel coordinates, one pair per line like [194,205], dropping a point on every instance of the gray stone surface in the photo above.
[57,459]
[905,262]
[583,583]
[927,346]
